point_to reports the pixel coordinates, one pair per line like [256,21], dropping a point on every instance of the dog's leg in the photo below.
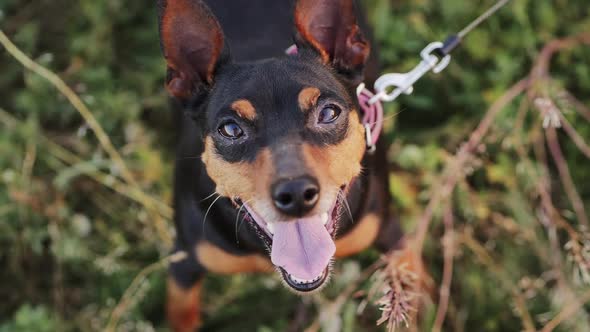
[182,307]
[183,295]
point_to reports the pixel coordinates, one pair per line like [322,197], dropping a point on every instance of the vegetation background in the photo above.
[84,239]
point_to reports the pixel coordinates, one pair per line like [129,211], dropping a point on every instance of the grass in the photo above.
[489,170]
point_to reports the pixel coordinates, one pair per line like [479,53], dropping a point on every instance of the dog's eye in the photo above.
[230,130]
[329,114]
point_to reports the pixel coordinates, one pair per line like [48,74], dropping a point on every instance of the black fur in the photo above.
[257,34]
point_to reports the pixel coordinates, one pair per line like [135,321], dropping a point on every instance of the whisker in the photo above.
[206,213]
[387,117]
[343,200]
[206,198]
[241,222]
[237,217]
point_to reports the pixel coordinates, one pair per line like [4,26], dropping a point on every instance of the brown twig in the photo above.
[486,259]
[549,207]
[537,136]
[126,299]
[548,210]
[72,159]
[567,312]
[448,253]
[453,170]
[566,178]
[89,118]
[579,107]
[576,138]
[73,98]
[543,188]
[540,73]
[541,67]
[523,110]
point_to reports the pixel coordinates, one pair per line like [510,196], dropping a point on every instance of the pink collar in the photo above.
[372,111]
[372,116]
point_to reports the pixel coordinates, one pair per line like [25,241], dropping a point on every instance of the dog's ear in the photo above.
[192,43]
[330,28]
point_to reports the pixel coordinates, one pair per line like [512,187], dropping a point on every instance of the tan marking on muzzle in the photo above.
[218,261]
[336,165]
[360,237]
[308,97]
[241,179]
[244,109]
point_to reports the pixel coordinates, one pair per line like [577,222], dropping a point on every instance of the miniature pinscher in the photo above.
[271,140]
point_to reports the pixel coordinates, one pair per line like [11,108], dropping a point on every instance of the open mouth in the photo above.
[301,249]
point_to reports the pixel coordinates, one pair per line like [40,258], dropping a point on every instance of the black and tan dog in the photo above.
[271,139]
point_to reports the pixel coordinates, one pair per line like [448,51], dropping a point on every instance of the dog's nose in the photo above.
[296,197]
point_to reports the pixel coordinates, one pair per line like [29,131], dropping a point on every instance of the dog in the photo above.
[271,140]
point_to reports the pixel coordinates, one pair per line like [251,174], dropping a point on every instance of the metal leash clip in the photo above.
[403,83]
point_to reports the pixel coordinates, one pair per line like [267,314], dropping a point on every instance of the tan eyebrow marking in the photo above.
[244,108]
[308,98]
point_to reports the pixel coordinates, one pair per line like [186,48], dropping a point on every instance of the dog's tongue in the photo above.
[303,247]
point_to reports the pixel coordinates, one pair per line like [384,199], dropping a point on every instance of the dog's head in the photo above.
[282,136]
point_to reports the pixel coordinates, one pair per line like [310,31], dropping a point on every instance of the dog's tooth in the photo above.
[325,218]
[271,227]
[304,281]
